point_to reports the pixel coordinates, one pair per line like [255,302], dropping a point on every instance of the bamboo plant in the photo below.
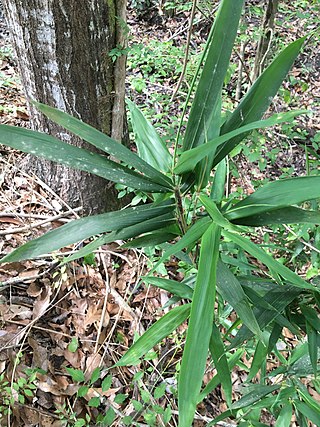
[196,171]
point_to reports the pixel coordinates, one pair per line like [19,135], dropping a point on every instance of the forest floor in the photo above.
[56,323]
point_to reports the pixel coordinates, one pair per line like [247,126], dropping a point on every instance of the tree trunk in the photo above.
[266,37]
[62,49]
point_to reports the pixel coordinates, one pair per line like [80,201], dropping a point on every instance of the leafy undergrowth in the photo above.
[62,330]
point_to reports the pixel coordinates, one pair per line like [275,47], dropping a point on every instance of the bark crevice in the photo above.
[62,50]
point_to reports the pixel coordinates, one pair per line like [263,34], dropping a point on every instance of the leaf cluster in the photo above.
[194,176]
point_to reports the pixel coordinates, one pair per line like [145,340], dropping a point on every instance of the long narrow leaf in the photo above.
[219,182]
[259,97]
[86,227]
[277,194]
[306,397]
[312,316]
[259,301]
[205,116]
[223,416]
[308,411]
[285,415]
[204,108]
[45,146]
[288,215]
[151,239]
[179,289]
[312,335]
[190,238]
[200,327]
[103,142]
[259,358]
[191,157]
[231,290]
[279,298]
[228,287]
[255,395]
[157,332]
[156,223]
[216,215]
[215,381]
[271,263]
[301,419]
[220,362]
[150,146]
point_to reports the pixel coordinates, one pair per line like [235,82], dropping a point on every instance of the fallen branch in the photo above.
[38,224]
[19,279]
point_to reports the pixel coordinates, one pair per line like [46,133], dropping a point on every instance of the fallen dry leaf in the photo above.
[42,302]
[34,290]
[93,361]
[92,316]
[40,355]
[29,416]
[12,311]
[74,358]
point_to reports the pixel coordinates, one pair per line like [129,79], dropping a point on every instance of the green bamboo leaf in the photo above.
[259,358]
[267,402]
[223,416]
[227,286]
[308,411]
[312,329]
[103,142]
[256,102]
[236,262]
[188,239]
[285,415]
[45,146]
[151,239]
[266,259]
[215,381]
[179,289]
[190,158]
[231,290]
[221,363]
[312,335]
[200,327]
[301,419]
[205,117]
[86,227]
[311,316]
[219,182]
[288,215]
[157,332]
[204,109]
[279,297]
[275,195]
[215,214]
[306,397]
[298,353]
[275,336]
[150,146]
[89,248]
[254,396]
[155,223]
[300,363]
[258,301]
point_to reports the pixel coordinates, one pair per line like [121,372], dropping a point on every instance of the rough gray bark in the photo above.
[62,49]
